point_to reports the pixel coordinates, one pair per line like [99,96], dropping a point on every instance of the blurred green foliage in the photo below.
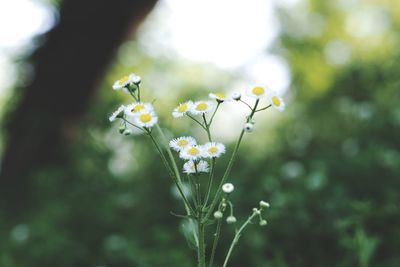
[329,166]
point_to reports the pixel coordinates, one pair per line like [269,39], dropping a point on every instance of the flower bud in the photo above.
[228,188]
[236,96]
[122,129]
[264,204]
[248,127]
[127,132]
[218,215]
[231,219]
[256,211]
[263,223]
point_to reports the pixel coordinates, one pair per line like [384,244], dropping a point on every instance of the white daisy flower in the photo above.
[189,167]
[201,107]
[116,113]
[146,118]
[191,152]
[228,188]
[257,92]
[213,149]
[277,101]
[220,97]
[126,81]
[135,108]
[182,109]
[181,142]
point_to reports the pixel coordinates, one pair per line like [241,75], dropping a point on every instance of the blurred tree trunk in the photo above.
[67,69]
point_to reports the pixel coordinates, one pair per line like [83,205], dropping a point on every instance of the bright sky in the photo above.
[230,34]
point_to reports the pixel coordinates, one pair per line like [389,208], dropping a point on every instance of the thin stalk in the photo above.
[264,108]
[174,178]
[210,181]
[201,254]
[188,208]
[207,128]
[130,123]
[215,111]
[229,167]
[236,238]
[197,121]
[215,243]
[246,104]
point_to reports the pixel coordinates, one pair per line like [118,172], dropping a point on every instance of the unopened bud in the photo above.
[263,223]
[264,204]
[256,211]
[236,96]
[231,219]
[218,215]
[127,132]
[248,127]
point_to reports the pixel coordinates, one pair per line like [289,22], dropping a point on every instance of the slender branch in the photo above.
[207,128]
[197,121]
[215,243]
[210,181]
[236,238]
[246,104]
[215,111]
[229,167]
[264,108]
[173,176]
[130,123]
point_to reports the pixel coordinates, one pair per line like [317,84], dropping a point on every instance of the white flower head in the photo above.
[236,96]
[126,81]
[228,188]
[190,167]
[257,92]
[182,109]
[181,142]
[213,149]
[116,113]
[201,107]
[220,97]
[277,102]
[248,127]
[146,118]
[135,108]
[192,152]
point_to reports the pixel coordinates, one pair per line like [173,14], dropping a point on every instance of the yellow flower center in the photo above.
[182,108]
[201,106]
[123,80]
[194,151]
[213,150]
[220,95]
[145,117]
[258,90]
[137,108]
[182,142]
[276,101]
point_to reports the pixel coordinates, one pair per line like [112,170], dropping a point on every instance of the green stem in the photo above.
[215,243]
[173,176]
[264,108]
[229,167]
[201,254]
[215,111]
[210,181]
[236,238]
[188,208]
[197,121]
[207,128]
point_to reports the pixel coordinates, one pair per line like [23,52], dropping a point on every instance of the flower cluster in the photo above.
[189,150]
[205,202]
[137,114]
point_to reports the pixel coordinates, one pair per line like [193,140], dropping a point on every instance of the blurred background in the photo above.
[73,192]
